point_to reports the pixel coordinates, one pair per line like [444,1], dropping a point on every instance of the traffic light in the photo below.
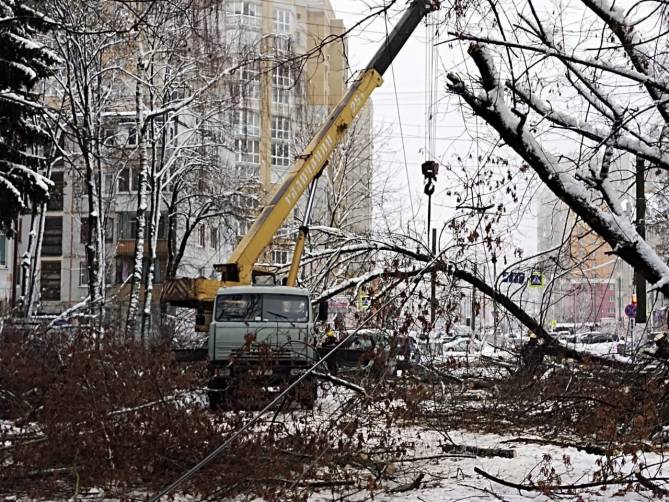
[634,302]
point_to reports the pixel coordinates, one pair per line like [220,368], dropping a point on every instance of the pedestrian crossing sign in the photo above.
[536,279]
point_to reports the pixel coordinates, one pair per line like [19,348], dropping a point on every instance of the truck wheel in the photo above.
[216,394]
[307,393]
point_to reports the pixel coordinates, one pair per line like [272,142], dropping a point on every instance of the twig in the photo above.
[433,457]
[657,490]
[485,490]
[480,452]
[414,485]
[588,448]
[535,488]
[340,381]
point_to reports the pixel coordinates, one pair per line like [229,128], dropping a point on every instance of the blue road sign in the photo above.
[630,310]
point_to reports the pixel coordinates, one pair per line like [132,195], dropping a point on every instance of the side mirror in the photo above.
[322,311]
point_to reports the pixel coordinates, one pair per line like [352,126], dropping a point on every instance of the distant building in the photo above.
[585,282]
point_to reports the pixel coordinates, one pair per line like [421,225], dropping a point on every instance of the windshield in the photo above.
[262,307]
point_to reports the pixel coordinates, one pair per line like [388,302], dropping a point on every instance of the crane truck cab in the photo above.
[261,338]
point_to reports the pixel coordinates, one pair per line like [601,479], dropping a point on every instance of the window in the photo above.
[108,136]
[246,171]
[247,122]
[612,298]
[280,154]
[83,273]
[52,242]
[240,91]
[109,230]
[50,280]
[3,250]
[124,180]
[248,150]
[281,96]
[162,132]
[287,308]
[241,201]
[248,12]
[238,308]
[279,256]
[284,232]
[213,241]
[243,227]
[282,21]
[124,266]
[128,180]
[257,307]
[128,132]
[250,71]
[283,44]
[127,225]
[281,77]
[201,236]
[55,202]
[280,128]
[108,187]
[132,135]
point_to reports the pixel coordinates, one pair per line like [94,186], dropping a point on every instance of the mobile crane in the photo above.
[266,332]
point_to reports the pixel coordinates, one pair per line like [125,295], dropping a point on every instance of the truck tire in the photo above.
[307,393]
[216,393]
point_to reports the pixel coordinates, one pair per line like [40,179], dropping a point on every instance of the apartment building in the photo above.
[281,101]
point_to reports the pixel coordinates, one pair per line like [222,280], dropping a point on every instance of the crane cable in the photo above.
[431,88]
[399,121]
[429,166]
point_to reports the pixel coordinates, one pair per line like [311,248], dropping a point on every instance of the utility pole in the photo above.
[639,281]
[494,300]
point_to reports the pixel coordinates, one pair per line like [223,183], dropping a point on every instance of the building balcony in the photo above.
[126,247]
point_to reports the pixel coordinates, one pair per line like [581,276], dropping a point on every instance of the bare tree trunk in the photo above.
[95,236]
[152,252]
[136,279]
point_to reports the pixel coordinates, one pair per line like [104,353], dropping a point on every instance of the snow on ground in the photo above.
[454,478]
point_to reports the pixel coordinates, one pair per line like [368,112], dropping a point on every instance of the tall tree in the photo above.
[23,62]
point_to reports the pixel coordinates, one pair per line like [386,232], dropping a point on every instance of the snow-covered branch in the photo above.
[591,131]
[631,41]
[614,229]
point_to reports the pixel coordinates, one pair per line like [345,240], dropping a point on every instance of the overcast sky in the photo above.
[405,123]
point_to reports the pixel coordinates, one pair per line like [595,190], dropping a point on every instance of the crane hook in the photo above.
[429,187]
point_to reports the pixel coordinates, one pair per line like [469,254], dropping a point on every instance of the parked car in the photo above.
[591,337]
[461,344]
[379,345]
